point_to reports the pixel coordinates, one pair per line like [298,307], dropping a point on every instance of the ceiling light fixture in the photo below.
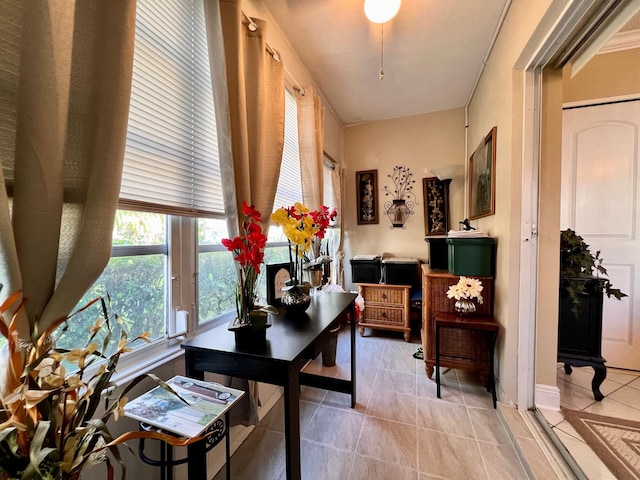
[381,11]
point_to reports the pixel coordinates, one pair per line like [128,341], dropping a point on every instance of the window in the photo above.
[290,183]
[167,253]
[171,176]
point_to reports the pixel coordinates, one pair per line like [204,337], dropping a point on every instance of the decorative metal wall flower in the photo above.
[403,199]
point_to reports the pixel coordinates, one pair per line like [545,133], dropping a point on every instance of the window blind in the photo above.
[328,194]
[171,160]
[290,182]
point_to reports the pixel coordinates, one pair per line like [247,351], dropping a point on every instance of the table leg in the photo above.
[196,452]
[353,354]
[492,379]
[227,444]
[292,425]
[437,361]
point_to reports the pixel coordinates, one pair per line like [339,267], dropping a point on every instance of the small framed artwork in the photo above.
[436,206]
[482,178]
[367,196]
[277,275]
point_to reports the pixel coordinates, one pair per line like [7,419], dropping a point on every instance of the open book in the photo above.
[207,401]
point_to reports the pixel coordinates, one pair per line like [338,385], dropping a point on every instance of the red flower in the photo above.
[250,211]
[322,218]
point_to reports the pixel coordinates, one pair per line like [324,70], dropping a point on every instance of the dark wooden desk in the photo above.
[291,342]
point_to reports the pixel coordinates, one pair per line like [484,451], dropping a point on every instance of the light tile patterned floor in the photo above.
[398,428]
[622,400]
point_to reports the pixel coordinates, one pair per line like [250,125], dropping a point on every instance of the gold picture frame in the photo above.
[482,178]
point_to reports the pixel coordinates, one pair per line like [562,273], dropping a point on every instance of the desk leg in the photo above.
[292,425]
[353,354]
[196,452]
[227,444]
[437,360]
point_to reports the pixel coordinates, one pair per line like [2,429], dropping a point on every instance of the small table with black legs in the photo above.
[217,431]
[469,322]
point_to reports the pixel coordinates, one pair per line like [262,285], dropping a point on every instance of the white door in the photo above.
[600,200]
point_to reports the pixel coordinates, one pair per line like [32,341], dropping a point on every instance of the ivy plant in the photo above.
[578,263]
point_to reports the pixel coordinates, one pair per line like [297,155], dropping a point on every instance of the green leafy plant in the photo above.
[578,263]
[51,422]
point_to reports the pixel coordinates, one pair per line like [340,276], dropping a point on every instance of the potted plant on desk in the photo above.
[300,225]
[582,288]
[251,320]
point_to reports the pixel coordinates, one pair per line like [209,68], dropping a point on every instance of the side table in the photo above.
[477,323]
[217,431]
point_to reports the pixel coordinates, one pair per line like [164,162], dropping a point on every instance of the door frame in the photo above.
[558,24]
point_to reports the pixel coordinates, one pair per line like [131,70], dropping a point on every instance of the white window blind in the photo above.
[290,182]
[171,159]
[328,194]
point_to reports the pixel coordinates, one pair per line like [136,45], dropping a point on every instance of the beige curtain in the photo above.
[64,99]
[337,267]
[255,85]
[248,79]
[310,141]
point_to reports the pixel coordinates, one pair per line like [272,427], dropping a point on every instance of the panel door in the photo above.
[600,202]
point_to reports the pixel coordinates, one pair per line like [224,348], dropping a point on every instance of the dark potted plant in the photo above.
[583,283]
[577,267]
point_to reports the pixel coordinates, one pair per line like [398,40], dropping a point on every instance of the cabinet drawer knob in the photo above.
[384,296]
[384,314]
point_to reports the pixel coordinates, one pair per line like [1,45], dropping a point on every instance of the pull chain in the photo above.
[381,73]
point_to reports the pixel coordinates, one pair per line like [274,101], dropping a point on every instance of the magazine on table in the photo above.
[207,401]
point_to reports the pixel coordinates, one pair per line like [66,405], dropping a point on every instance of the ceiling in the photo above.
[433,53]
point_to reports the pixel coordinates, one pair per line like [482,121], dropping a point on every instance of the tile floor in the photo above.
[622,400]
[398,429]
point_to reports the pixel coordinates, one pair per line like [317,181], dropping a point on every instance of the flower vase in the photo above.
[296,299]
[251,335]
[465,306]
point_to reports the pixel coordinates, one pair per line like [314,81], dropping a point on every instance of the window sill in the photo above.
[145,359]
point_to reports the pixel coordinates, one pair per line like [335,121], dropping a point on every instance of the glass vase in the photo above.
[465,306]
[295,300]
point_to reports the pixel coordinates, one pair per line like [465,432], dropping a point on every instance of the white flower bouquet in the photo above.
[467,288]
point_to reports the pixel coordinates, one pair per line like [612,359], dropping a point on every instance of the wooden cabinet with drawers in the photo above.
[386,307]
[460,348]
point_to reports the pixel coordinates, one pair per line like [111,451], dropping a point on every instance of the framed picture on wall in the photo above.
[482,179]
[277,275]
[367,197]
[436,206]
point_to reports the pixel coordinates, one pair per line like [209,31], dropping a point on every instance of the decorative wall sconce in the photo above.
[400,208]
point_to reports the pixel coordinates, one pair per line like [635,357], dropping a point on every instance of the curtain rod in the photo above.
[253,26]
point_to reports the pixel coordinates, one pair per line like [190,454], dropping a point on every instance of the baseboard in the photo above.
[547,396]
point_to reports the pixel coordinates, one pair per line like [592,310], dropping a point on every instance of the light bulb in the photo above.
[381,11]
